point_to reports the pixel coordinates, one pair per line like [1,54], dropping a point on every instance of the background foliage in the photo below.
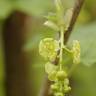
[83,80]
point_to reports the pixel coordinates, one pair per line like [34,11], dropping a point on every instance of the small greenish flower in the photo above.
[76,52]
[48,48]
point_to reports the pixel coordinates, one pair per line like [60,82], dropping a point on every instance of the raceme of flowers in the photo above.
[49,48]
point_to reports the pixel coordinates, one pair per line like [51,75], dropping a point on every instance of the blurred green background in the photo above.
[84,77]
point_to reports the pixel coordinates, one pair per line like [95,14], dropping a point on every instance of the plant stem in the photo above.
[67,50]
[61,46]
[77,8]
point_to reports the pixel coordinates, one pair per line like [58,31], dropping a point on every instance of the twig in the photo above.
[77,7]
[76,11]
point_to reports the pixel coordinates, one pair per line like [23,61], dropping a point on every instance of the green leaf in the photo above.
[5,8]
[33,7]
[86,35]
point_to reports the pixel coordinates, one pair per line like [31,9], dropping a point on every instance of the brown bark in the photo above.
[16,61]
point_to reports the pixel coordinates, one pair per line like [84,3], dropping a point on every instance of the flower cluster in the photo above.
[59,77]
[49,48]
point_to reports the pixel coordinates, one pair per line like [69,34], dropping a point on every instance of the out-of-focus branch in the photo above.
[76,10]
[17,64]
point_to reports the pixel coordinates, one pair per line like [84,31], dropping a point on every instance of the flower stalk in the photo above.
[61,46]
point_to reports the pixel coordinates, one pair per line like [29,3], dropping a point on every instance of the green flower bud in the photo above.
[61,75]
[52,76]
